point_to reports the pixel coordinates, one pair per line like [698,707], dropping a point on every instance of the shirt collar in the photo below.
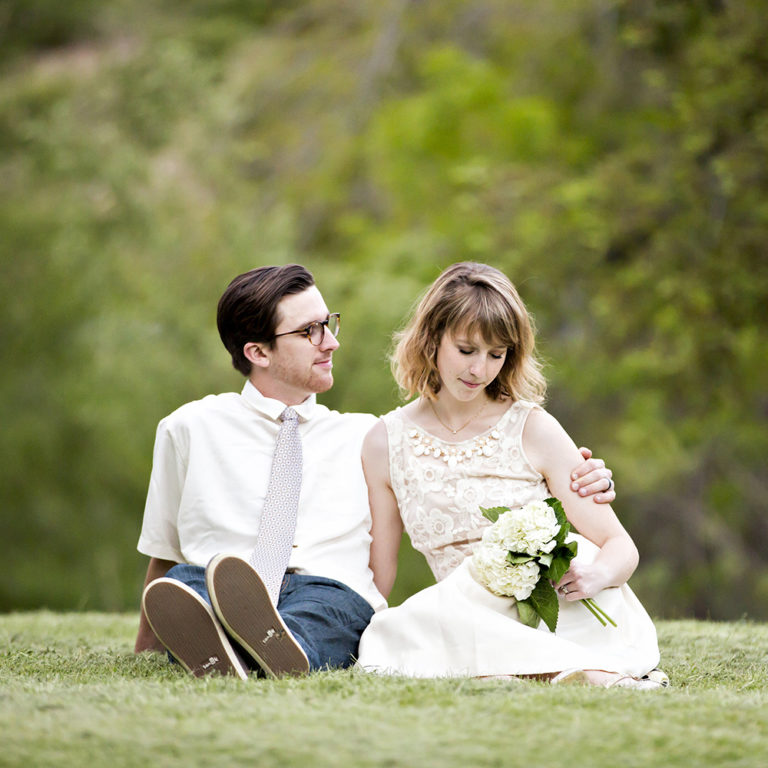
[273,408]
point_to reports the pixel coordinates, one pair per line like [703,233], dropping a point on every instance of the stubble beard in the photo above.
[323,383]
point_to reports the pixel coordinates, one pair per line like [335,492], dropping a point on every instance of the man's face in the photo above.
[296,367]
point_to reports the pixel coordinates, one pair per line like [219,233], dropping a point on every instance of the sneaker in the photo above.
[185,624]
[243,606]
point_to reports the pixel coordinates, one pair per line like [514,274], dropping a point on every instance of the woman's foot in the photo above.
[571,677]
[659,676]
[638,683]
[604,679]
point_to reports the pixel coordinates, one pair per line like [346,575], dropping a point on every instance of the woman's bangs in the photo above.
[492,320]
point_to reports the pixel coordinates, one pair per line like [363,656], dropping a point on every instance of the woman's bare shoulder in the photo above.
[544,436]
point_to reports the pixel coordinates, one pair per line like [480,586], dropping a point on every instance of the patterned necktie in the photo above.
[281,505]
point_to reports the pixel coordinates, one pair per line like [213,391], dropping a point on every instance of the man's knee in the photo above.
[327,619]
[191,575]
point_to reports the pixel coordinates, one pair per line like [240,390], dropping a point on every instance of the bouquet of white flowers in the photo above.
[523,554]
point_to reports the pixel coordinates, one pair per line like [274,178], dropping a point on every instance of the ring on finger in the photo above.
[564,590]
[610,485]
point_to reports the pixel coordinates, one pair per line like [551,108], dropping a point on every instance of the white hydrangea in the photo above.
[531,529]
[501,577]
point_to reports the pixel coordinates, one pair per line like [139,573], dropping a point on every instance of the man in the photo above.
[230,472]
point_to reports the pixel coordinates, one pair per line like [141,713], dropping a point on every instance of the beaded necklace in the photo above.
[482,445]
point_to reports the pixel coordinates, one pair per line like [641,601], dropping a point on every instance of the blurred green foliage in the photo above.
[612,158]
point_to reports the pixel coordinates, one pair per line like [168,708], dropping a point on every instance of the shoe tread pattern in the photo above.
[242,603]
[186,626]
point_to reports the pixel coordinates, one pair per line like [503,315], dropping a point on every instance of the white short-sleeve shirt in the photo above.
[211,466]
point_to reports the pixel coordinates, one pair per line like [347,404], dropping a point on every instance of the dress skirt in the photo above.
[459,628]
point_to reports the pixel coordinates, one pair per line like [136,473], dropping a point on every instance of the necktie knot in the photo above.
[289,415]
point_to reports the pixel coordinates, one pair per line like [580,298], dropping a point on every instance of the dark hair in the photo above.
[248,308]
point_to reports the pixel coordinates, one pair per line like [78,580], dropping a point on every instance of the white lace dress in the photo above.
[457,627]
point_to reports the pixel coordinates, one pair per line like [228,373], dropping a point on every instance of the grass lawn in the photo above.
[73,694]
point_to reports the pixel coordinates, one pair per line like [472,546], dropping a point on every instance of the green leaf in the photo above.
[557,506]
[513,558]
[559,566]
[493,513]
[562,520]
[562,555]
[544,601]
[527,613]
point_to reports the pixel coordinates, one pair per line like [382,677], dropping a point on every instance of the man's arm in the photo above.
[593,478]
[146,640]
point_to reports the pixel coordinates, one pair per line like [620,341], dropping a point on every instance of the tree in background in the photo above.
[610,157]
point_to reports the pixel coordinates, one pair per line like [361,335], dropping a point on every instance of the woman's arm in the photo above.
[553,453]
[386,527]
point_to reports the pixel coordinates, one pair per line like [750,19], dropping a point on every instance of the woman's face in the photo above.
[467,364]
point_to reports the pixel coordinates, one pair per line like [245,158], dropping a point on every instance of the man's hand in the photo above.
[146,640]
[593,478]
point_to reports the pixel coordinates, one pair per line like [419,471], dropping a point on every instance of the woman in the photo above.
[477,436]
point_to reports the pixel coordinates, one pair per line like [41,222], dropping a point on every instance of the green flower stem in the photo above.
[602,612]
[598,612]
[592,610]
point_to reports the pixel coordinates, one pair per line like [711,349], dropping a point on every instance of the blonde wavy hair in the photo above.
[469,298]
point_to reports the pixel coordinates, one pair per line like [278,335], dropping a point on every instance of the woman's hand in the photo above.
[583,580]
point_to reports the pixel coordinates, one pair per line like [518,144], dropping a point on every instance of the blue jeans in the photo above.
[325,616]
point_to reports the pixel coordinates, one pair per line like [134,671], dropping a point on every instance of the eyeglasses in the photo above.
[315,332]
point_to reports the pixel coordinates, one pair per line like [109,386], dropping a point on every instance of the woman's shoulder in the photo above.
[388,425]
[540,423]
[402,416]
[525,406]
[544,436]
[515,417]
[376,442]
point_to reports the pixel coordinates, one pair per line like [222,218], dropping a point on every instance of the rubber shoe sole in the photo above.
[243,607]
[185,624]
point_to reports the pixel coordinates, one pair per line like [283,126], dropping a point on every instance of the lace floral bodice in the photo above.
[440,486]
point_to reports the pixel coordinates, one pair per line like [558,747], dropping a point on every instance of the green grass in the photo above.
[73,694]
